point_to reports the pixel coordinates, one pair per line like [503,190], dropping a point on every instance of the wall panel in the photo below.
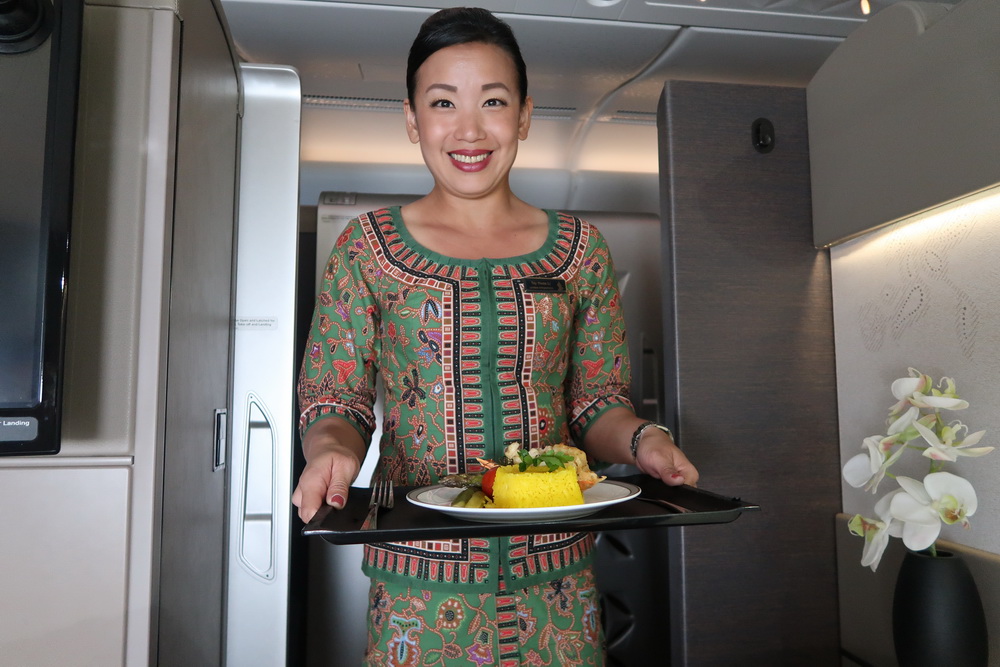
[751,382]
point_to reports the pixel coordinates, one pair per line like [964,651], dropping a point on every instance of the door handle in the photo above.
[256,530]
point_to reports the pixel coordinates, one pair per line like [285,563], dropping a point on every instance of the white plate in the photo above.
[608,492]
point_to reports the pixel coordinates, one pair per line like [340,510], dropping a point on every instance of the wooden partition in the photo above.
[750,377]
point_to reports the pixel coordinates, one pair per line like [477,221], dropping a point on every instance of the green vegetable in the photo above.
[464,480]
[463,497]
[477,500]
[551,460]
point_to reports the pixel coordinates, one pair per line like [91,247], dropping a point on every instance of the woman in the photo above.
[490,322]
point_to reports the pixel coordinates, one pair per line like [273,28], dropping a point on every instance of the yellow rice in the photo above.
[536,487]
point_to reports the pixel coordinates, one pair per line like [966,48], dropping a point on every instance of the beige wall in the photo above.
[923,293]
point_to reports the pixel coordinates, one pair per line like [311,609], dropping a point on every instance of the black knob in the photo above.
[24,24]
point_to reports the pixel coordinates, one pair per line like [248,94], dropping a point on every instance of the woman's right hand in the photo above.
[333,452]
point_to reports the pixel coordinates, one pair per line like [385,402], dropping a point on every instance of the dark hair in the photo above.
[463,25]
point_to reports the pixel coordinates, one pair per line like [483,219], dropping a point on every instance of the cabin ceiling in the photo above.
[596,67]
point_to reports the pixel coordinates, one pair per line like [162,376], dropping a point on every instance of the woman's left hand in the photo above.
[609,440]
[659,457]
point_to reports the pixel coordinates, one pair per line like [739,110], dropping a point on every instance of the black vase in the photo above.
[937,614]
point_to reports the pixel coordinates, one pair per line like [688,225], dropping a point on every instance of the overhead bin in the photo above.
[836,21]
[903,117]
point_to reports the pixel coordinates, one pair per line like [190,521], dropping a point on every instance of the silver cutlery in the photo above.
[666,503]
[382,498]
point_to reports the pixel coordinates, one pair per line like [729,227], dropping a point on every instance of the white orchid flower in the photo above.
[868,469]
[938,401]
[903,388]
[904,421]
[876,531]
[922,507]
[914,511]
[946,448]
[918,390]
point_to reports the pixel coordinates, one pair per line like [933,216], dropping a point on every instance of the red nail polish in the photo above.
[337,500]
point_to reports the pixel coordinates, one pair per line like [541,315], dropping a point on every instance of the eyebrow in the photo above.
[454,89]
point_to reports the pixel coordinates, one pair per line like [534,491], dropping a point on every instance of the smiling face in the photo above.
[468,117]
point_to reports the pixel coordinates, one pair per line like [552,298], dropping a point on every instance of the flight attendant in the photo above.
[488,321]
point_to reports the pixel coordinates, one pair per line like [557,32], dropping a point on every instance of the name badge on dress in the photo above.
[550,285]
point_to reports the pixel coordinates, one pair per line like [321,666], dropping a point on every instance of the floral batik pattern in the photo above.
[555,623]
[472,355]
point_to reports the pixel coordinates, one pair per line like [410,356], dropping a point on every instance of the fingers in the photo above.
[679,471]
[308,495]
[324,480]
[336,493]
[668,464]
[677,475]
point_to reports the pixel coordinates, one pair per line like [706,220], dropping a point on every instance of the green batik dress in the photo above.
[472,355]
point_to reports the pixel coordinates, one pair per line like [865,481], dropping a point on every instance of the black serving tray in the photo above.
[407,521]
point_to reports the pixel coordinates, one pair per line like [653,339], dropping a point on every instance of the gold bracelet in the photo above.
[634,445]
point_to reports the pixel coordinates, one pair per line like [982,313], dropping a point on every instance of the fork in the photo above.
[382,497]
[666,503]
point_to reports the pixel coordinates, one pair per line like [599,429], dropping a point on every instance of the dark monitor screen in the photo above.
[21,314]
[40,59]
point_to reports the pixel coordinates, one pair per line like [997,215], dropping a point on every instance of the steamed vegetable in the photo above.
[470,497]
[463,480]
